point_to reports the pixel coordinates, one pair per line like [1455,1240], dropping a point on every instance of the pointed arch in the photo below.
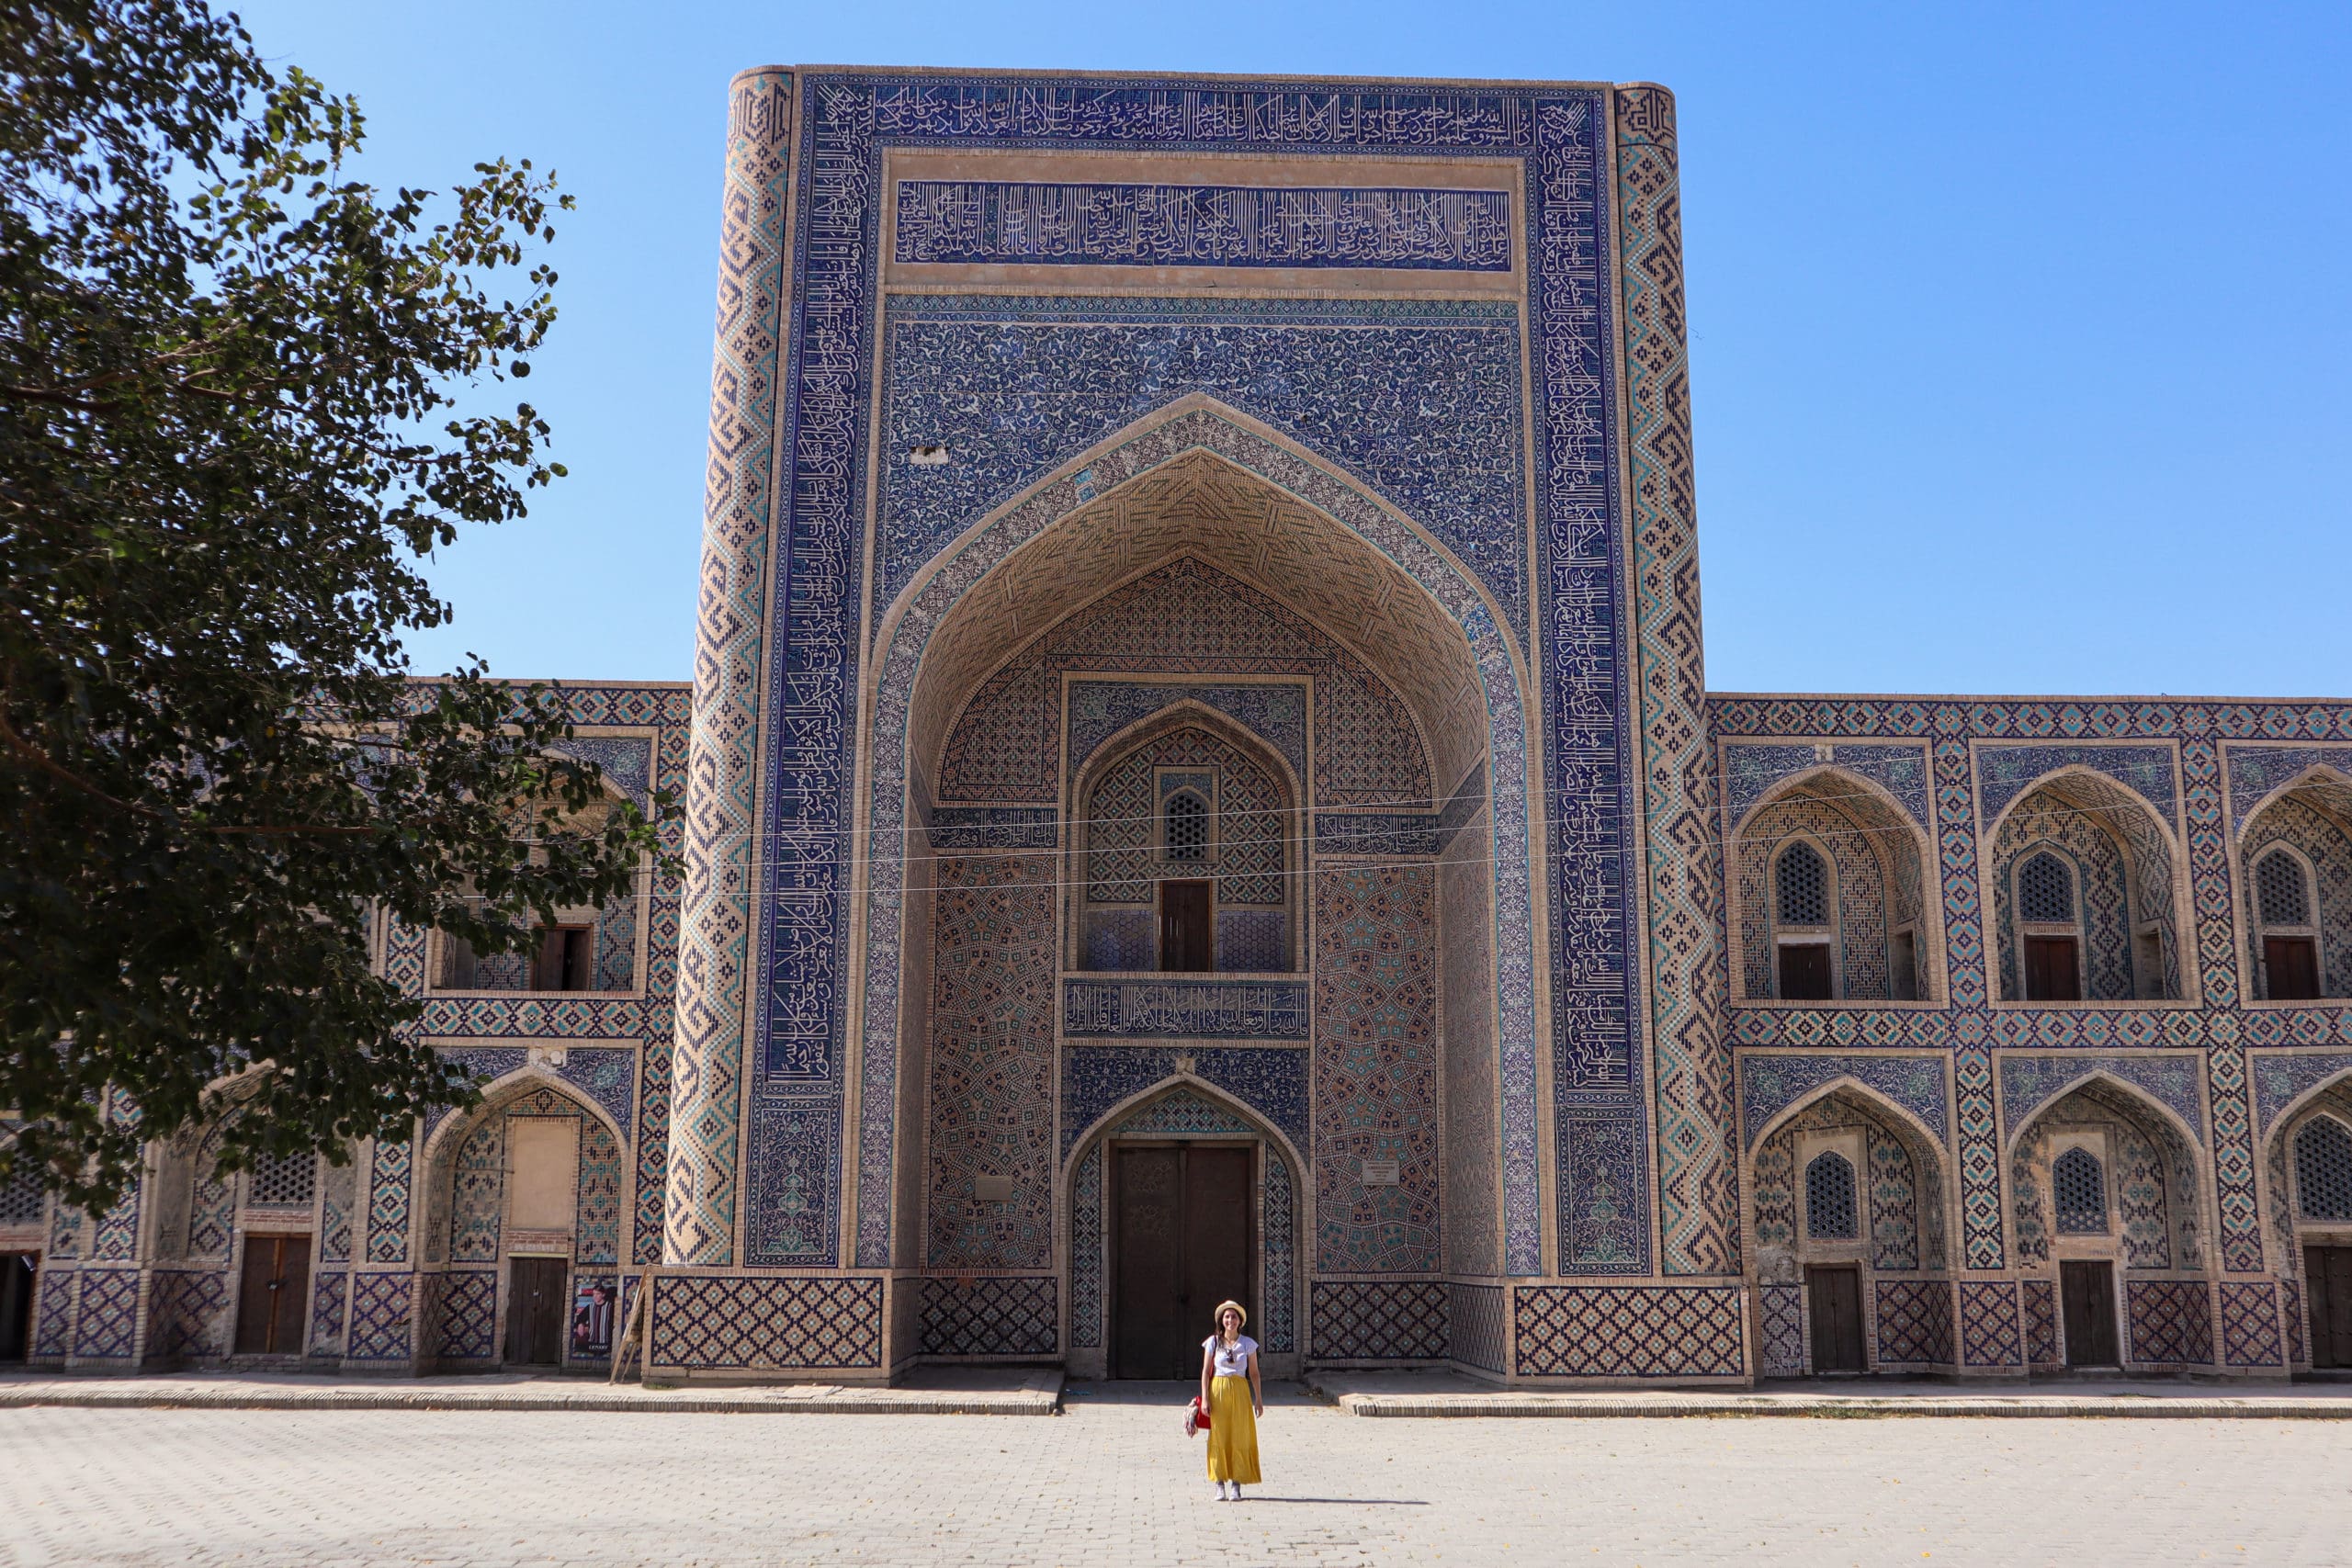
[2308,818]
[2105,1080]
[1892,944]
[2131,878]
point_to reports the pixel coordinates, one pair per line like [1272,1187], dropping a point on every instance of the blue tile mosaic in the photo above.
[1164,1008]
[1270,1080]
[1274,712]
[1768,1085]
[2029,1083]
[2006,772]
[1752,772]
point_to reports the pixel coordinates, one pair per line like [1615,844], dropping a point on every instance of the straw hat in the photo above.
[1218,1317]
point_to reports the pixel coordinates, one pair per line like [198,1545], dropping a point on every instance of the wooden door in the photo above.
[2051,974]
[2327,1273]
[1186,943]
[1183,1242]
[535,1311]
[1834,1295]
[1805,972]
[19,1271]
[2087,1302]
[274,1298]
[2291,963]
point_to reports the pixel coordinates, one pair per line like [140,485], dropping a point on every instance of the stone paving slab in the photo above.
[934,1390]
[1434,1394]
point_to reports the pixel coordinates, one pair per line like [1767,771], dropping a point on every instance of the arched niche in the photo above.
[585,949]
[2152,1222]
[1880,927]
[2307,825]
[2120,940]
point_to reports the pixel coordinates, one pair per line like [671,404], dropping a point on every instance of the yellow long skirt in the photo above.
[1233,1431]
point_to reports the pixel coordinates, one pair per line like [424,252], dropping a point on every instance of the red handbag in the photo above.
[1196,1417]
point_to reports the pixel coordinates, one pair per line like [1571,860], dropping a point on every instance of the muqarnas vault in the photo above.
[1200,783]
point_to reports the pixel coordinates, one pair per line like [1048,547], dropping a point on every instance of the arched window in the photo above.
[1830,1212]
[2282,908]
[2079,1184]
[2324,1171]
[1187,827]
[2045,890]
[1801,884]
[284,1183]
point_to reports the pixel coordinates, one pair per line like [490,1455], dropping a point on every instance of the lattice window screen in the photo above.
[2080,1184]
[2280,891]
[284,1183]
[21,1200]
[1188,827]
[1803,887]
[1830,1210]
[2045,889]
[2323,1171]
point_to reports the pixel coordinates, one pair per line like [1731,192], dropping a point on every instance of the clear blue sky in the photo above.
[2021,334]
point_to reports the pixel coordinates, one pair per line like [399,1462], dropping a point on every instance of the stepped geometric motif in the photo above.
[2250,1326]
[1355,1321]
[1280,1227]
[1377,1069]
[327,1295]
[989,1318]
[766,1322]
[596,1228]
[478,1197]
[387,1207]
[991,1062]
[2040,1321]
[380,1317]
[1630,1331]
[469,1316]
[1185,617]
[184,1313]
[1086,1251]
[1779,1312]
[1990,1333]
[1915,1322]
[2171,1322]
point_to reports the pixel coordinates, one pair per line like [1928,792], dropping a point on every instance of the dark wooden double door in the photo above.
[1834,1297]
[2327,1272]
[2086,1307]
[1181,1242]
[274,1295]
[535,1311]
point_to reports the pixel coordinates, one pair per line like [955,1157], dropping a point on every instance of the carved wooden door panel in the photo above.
[1184,1243]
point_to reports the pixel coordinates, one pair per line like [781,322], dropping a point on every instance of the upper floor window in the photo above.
[2280,893]
[1186,827]
[2282,907]
[2079,1183]
[1802,884]
[284,1183]
[2046,890]
[1831,1213]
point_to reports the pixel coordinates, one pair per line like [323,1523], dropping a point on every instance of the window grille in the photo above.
[2045,890]
[21,1200]
[1804,887]
[2081,1188]
[2280,891]
[2323,1171]
[1188,827]
[1830,1213]
[284,1183]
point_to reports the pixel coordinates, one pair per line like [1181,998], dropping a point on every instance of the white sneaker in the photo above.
[1220,1491]
[1236,1494]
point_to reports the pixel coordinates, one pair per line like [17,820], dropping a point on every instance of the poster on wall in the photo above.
[592,1319]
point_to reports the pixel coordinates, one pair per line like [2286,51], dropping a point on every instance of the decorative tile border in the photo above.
[1630,1331]
[1161,1009]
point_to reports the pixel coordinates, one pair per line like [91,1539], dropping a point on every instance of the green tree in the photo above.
[237,406]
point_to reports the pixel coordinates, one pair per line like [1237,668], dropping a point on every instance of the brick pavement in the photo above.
[1114,1482]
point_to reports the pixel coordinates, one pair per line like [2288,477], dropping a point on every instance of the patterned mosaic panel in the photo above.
[53,1326]
[1992,1333]
[1271,1081]
[2040,1301]
[2045,821]
[2170,1322]
[478,1194]
[1165,225]
[1864,906]
[2290,1301]
[1780,1327]
[1185,618]
[1751,773]
[1768,1085]
[1475,1316]
[2004,771]
[2279,1079]
[1376,1070]
[338,1185]
[381,1307]
[328,1292]
[1627,1331]
[107,1326]
[388,1208]
[2250,1334]
[1353,1321]
[1914,1320]
[1123,817]
[469,1316]
[768,1323]
[989,1317]
[187,1313]
[1281,1228]
[1086,1252]
[2028,1083]
[2324,844]
[992,1063]
[603,1174]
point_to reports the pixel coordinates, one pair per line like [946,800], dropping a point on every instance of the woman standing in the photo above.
[1228,1358]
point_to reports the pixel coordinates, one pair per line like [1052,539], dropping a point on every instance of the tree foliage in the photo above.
[238,395]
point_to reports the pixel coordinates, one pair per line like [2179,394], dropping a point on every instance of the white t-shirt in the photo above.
[1231,1361]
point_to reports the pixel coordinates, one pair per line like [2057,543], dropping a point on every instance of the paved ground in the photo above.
[1114,1483]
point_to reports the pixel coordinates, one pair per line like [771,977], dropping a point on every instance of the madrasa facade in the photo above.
[1199,782]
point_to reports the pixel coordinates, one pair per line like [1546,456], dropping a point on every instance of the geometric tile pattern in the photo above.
[2291,1308]
[1475,1316]
[991,1063]
[185,1313]
[1915,1322]
[1629,1331]
[596,1222]
[469,1314]
[985,1317]
[326,1313]
[381,1306]
[2290,819]
[1281,1230]
[1779,1312]
[1086,1252]
[1359,1321]
[1272,1082]
[1990,1332]
[2005,771]
[1751,773]
[2046,822]
[2040,1321]
[53,1329]
[2171,1322]
[766,1323]
[1867,904]
[1122,823]
[1769,1084]
[1697,1168]
[107,1326]
[2028,1083]
[1377,1069]
[2250,1325]
[387,1205]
